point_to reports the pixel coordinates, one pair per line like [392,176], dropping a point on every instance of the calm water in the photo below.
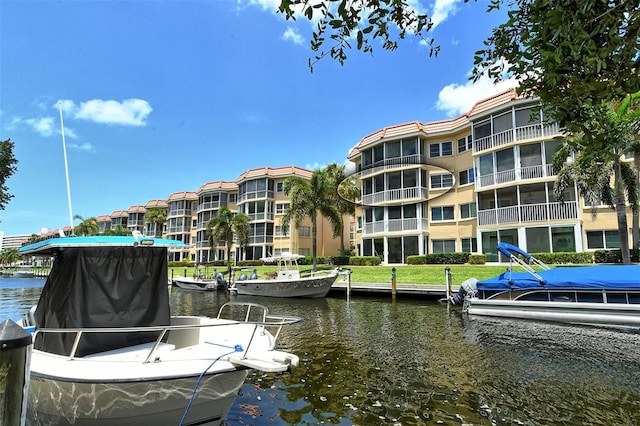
[370,362]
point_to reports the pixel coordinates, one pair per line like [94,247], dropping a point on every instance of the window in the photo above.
[233,197]
[502,122]
[468,211]
[466,176]
[603,240]
[469,245]
[442,213]
[279,186]
[282,207]
[465,144]
[441,181]
[443,246]
[441,149]
[393,149]
[304,252]
[280,232]
[304,231]
[482,130]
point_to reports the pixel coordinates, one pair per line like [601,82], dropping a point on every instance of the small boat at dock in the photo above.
[600,295]
[287,281]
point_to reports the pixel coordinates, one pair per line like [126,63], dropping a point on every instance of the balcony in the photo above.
[395,195]
[255,195]
[532,131]
[529,213]
[260,217]
[392,163]
[179,212]
[395,225]
[182,229]
[513,175]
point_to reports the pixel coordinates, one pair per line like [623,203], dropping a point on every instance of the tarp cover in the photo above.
[609,277]
[103,287]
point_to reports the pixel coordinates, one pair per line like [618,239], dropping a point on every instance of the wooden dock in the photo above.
[427,291]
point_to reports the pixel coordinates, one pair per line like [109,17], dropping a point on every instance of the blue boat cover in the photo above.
[608,277]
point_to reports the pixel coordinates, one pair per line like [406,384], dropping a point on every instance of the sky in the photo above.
[159,97]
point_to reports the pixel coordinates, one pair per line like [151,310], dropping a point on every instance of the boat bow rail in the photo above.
[245,322]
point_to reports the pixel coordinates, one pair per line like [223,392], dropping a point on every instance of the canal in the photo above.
[372,361]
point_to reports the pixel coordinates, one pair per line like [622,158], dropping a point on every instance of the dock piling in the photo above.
[393,282]
[15,354]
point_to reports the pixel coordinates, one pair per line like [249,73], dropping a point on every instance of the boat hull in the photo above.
[312,287]
[195,285]
[596,314]
[156,402]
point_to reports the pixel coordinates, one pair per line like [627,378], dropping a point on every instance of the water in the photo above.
[373,362]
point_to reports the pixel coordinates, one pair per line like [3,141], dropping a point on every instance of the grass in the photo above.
[407,274]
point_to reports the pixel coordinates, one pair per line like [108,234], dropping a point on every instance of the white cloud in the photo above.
[442,9]
[130,112]
[456,99]
[45,126]
[83,147]
[293,35]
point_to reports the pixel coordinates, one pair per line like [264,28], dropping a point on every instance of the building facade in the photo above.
[465,184]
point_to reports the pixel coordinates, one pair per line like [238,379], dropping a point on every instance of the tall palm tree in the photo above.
[344,189]
[309,199]
[597,164]
[157,216]
[86,226]
[223,227]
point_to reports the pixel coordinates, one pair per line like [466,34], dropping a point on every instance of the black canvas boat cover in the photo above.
[103,286]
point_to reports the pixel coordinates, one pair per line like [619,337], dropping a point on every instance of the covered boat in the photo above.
[108,351]
[601,295]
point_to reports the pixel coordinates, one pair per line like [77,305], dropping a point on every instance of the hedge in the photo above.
[439,259]
[364,260]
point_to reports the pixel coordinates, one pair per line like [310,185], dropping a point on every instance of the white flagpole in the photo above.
[66,167]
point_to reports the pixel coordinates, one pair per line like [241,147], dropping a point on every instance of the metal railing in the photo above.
[263,323]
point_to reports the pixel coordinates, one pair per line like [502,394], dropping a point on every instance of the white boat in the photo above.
[287,280]
[107,350]
[201,284]
[603,295]
[24,271]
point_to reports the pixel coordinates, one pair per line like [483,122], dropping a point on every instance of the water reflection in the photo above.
[371,362]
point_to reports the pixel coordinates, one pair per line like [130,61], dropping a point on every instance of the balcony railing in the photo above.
[395,225]
[179,212]
[512,175]
[255,194]
[532,131]
[253,217]
[529,213]
[395,195]
[178,229]
[209,205]
[393,163]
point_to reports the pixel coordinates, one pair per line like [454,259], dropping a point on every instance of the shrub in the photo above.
[256,262]
[477,259]
[447,258]
[340,260]
[559,258]
[364,260]
[180,264]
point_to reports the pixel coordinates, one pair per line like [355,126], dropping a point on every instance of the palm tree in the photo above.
[9,256]
[223,227]
[157,216]
[345,191]
[308,199]
[597,157]
[86,226]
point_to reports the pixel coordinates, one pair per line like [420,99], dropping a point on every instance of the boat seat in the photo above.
[133,353]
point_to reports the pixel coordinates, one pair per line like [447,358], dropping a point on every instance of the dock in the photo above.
[426,291]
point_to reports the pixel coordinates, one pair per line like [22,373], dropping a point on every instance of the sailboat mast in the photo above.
[66,167]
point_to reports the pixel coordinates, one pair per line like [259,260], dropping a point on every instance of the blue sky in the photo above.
[164,96]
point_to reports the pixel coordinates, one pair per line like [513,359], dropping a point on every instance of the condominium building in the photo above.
[467,183]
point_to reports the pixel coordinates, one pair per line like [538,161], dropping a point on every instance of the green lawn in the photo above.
[409,274]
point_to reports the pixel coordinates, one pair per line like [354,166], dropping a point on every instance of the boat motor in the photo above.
[467,287]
